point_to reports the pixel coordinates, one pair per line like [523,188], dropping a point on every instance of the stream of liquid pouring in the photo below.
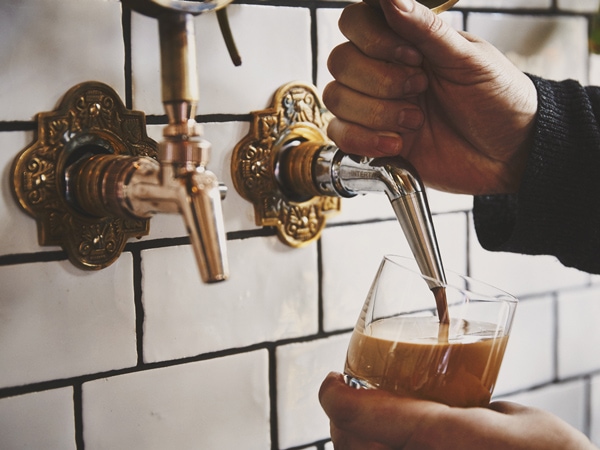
[441,303]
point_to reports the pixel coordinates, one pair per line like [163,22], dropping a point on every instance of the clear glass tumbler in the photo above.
[399,344]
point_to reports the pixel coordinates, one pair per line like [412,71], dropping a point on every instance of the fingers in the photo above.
[426,31]
[378,114]
[358,140]
[366,27]
[374,77]
[372,419]
[375,415]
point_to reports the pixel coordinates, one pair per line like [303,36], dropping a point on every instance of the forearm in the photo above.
[557,208]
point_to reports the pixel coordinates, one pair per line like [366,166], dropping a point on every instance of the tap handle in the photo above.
[201,209]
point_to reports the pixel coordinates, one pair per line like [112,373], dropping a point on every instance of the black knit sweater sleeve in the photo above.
[557,209]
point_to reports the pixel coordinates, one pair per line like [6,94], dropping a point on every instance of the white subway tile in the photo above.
[220,403]
[595,410]
[451,232]
[505,4]
[38,421]
[454,18]
[301,368]
[551,47]
[578,313]
[529,360]
[363,207]
[352,254]
[376,205]
[59,321]
[520,274]
[17,228]
[583,6]
[594,78]
[268,60]
[564,400]
[48,47]
[440,202]
[330,36]
[238,213]
[272,294]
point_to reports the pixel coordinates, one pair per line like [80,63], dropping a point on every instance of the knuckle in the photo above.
[336,62]
[387,86]
[376,115]
[436,27]
[330,96]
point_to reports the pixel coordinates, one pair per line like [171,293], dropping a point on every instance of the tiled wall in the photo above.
[142,355]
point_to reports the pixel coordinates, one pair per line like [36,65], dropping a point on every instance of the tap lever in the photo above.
[223,19]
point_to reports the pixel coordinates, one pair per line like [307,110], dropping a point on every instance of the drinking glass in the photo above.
[400,345]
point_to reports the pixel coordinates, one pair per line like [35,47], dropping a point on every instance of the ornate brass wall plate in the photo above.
[90,119]
[296,110]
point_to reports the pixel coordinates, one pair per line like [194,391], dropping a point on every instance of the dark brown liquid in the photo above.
[441,303]
[403,355]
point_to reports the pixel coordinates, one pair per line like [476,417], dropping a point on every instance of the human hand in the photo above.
[364,419]
[408,84]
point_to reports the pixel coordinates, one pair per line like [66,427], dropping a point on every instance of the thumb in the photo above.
[431,35]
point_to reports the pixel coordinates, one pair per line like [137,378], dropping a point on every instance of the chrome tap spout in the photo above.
[306,169]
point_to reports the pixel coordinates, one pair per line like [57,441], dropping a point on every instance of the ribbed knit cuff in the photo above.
[557,209]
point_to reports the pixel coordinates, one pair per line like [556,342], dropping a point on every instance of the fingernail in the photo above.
[389,143]
[415,84]
[411,119]
[405,5]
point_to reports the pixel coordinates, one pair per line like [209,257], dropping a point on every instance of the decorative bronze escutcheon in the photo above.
[296,114]
[91,119]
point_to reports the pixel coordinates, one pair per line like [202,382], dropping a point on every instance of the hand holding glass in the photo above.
[399,344]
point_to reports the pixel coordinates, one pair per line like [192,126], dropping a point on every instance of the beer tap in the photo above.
[93,178]
[295,177]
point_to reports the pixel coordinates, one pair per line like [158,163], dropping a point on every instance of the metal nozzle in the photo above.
[307,169]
